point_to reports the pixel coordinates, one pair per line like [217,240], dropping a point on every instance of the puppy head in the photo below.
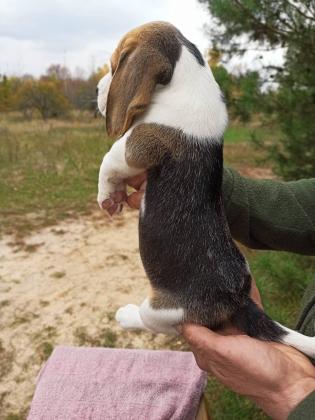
[145,57]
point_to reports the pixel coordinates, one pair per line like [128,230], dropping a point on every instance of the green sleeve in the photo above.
[305,410]
[269,214]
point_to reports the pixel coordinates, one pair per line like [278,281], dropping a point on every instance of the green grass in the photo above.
[105,338]
[240,144]
[225,404]
[282,278]
[48,170]
[237,134]
[243,133]
[12,416]
[45,350]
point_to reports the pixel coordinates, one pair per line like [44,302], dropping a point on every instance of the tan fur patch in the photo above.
[138,64]
[141,34]
[162,300]
[149,143]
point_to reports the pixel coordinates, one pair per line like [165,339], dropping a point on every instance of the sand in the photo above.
[62,286]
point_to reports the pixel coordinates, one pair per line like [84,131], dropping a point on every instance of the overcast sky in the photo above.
[83,33]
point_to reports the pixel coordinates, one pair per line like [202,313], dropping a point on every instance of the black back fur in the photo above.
[186,246]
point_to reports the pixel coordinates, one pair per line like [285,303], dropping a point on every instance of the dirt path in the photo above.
[62,285]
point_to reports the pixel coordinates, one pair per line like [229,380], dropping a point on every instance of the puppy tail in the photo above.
[255,323]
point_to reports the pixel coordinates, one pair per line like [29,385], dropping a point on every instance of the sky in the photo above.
[82,34]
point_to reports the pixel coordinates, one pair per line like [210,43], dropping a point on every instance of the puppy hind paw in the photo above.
[129,317]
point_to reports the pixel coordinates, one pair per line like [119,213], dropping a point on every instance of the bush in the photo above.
[45,96]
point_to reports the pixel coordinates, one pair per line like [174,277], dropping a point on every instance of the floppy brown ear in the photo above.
[132,86]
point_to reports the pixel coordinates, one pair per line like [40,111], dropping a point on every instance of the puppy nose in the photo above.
[97,91]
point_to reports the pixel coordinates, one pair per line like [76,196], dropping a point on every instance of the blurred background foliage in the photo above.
[52,95]
[289,97]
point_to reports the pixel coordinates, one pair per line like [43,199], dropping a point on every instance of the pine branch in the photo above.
[260,24]
[298,10]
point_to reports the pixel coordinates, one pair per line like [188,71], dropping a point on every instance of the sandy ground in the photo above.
[62,285]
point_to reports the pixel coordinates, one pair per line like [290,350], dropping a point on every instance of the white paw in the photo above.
[101,198]
[106,190]
[129,317]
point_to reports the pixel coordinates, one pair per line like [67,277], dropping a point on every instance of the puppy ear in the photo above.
[132,86]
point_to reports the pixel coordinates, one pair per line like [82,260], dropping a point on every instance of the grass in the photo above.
[237,133]
[13,417]
[106,338]
[58,274]
[282,278]
[45,350]
[224,404]
[48,172]
[240,144]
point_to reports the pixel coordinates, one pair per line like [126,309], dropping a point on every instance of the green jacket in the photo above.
[276,215]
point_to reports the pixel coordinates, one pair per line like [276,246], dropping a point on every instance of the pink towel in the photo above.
[99,384]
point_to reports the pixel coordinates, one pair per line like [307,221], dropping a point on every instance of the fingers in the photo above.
[114,203]
[136,181]
[215,345]
[200,337]
[210,349]
[134,199]
[139,183]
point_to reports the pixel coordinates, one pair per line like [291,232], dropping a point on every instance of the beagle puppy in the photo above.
[162,102]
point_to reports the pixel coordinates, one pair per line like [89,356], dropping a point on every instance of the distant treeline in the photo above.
[51,95]
[55,93]
[289,106]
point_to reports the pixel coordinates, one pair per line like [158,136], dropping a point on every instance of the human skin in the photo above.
[275,376]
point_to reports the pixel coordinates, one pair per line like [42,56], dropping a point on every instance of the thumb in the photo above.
[199,336]
[134,199]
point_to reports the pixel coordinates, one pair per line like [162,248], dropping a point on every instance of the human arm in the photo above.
[271,214]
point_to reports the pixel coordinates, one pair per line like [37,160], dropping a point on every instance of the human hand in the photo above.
[114,204]
[137,182]
[275,376]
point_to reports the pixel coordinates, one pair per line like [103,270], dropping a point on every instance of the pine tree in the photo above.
[273,24]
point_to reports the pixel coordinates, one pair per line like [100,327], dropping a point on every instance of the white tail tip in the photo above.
[299,341]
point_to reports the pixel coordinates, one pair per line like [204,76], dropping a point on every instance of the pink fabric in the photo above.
[102,384]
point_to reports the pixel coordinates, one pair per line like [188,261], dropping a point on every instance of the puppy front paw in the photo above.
[111,196]
[129,317]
